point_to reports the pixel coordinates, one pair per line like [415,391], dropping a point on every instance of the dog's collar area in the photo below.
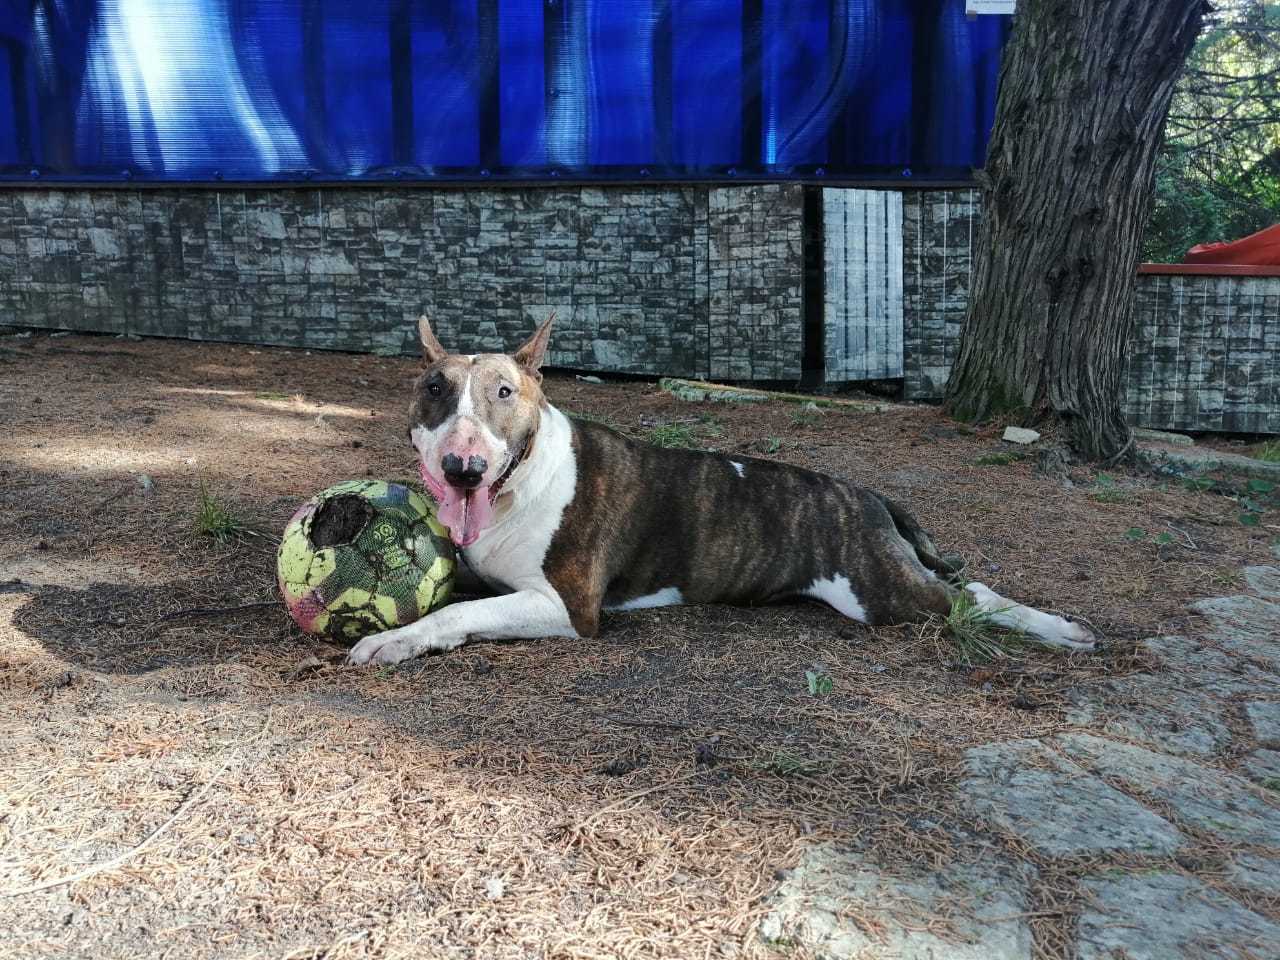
[515,461]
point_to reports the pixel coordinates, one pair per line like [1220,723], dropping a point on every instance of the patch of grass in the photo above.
[1139,534]
[976,635]
[1272,783]
[804,417]
[710,426]
[770,445]
[594,418]
[672,435]
[213,517]
[1269,451]
[998,459]
[820,682]
[786,764]
[1106,490]
[271,395]
[1226,579]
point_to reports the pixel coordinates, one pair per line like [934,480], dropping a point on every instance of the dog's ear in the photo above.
[431,349]
[534,350]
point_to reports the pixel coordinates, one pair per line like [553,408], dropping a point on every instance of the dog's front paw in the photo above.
[389,646]
[1078,637]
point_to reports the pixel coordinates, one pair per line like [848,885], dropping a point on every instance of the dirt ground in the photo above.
[637,795]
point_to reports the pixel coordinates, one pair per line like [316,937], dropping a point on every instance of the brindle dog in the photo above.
[567,518]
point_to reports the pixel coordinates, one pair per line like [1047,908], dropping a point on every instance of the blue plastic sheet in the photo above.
[338,90]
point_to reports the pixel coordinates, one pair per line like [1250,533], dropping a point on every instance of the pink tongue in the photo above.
[465,513]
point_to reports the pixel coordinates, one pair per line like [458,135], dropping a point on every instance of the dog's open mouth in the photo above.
[468,512]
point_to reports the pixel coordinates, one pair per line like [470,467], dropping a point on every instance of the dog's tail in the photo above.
[948,567]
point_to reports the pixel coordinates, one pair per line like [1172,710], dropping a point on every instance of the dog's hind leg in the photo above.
[1051,630]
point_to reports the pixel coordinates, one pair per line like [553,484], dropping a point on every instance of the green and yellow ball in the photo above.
[361,557]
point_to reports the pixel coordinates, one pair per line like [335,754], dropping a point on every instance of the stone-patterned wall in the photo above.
[673,280]
[1205,353]
[755,267]
[938,231]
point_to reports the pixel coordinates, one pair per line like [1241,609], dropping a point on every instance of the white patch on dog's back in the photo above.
[666,597]
[741,468]
[838,593]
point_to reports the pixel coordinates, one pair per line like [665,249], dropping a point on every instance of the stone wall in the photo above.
[1204,353]
[693,281]
[938,230]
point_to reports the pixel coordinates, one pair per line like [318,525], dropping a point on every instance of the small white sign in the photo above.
[974,7]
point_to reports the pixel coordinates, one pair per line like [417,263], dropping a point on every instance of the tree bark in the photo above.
[1085,86]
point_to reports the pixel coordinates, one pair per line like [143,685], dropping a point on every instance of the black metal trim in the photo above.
[490,104]
[752,75]
[400,31]
[813,363]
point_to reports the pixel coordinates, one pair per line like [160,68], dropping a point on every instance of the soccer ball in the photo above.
[361,557]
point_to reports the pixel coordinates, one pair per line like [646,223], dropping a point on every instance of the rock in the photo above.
[1217,802]
[1264,718]
[1148,709]
[1061,810]
[588,378]
[494,888]
[1264,766]
[1244,625]
[839,905]
[1020,435]
[304,667]
[1264,581]
[1205,665]
[1167,916]
[1161,436]
[1255,874]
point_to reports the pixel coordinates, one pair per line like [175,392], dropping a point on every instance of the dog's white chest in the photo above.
[512,551]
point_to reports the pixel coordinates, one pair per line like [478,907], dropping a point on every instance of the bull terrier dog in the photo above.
[565,518]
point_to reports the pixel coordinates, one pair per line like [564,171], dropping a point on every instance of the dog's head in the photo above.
[473,421]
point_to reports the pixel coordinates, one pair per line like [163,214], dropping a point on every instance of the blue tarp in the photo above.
[335,90]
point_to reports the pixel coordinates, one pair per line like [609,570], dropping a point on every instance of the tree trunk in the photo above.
[1084,89]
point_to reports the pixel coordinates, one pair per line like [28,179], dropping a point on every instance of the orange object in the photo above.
[1258,249]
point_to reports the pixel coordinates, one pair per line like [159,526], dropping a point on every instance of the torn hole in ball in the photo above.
[339,520]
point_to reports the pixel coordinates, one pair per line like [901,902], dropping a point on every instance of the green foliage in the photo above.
[804,417]
[213,518]
[1218,174]
[671,435]
[976,635]
[786,764]
[594,418]
[820,682]
[1138,534]
[771,445]
[1106,490]
[1269,451]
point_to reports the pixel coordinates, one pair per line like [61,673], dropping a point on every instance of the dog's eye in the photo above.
[434,389]
[503,392]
